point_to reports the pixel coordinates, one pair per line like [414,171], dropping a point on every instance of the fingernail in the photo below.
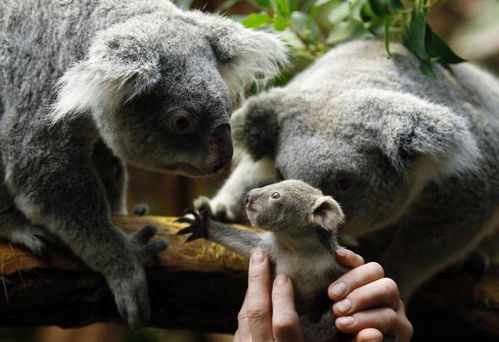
[343,306]
[281,279]
[342,252]
[257,258]
[345,321]
[339,289]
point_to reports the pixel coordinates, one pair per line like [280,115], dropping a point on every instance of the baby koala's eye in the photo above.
[275,195]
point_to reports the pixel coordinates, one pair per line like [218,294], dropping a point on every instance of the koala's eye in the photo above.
[343,184]
[180,122]
[275,195]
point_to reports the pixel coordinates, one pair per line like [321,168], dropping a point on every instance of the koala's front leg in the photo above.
[241,241]
[59,189]
[228,203]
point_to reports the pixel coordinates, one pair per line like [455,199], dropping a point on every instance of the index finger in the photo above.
[286,324]
[258,304]
[348,258]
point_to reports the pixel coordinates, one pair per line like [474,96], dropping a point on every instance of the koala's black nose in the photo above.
[221,144]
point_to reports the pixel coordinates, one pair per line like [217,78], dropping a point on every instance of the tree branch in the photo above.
[200,286]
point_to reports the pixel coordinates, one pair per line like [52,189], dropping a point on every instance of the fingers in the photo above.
[243,333]
[368,335]
[258,305]
[285,321]
[379,293]
[385,320]
[348,258]
[355,278]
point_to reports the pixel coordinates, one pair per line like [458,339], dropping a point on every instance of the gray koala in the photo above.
[88,85]
[300,239]
[413,162]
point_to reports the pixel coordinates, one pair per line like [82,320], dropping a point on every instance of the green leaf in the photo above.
[439,50]
[382,8]
[387,24]
[263,3]
[427,69]
[346,30]
[255,20]
[279,22]
[305,27]
[413,34]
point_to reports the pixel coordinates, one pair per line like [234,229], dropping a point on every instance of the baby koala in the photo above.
[300,239]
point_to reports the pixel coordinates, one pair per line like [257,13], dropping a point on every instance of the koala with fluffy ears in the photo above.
[86,86]
[413,161]
[300,237]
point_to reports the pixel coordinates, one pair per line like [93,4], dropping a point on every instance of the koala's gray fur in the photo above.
[301,225]
[88,85]
[414,162]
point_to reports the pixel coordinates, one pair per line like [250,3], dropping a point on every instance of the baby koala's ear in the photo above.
[327,213]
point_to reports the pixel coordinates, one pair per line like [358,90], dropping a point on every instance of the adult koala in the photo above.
[87,85]
[414,162]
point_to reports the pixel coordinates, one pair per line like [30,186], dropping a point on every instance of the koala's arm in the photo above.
[240,241]
[54,184]
[228,203]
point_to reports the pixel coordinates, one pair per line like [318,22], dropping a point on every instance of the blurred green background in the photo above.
[310,27]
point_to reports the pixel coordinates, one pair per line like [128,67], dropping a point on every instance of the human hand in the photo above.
[268,312]
[368,305]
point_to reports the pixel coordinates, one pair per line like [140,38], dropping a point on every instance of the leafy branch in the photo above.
[312,27]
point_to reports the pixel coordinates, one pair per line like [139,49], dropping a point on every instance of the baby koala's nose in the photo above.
[249,198]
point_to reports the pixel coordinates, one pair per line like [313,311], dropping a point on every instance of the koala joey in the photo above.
[413,161]
[300,240]
[86,86]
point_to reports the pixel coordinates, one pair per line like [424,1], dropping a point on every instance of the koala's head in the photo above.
[373,151]
[290,206]
[161,87]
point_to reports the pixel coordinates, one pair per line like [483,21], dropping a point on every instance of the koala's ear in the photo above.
[327,213]
[117,68]
[255,126]
[245,56]
[415,129]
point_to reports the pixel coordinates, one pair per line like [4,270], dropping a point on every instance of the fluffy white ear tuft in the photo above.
[105,80]
[245,56]
[327,213]
[259,58]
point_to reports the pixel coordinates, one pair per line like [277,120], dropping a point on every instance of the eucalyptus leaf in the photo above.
[256,20]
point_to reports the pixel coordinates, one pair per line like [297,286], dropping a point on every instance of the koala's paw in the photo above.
[142,245]
[131,297]
[199,222]
[32,237]
[141,209]
[219,210]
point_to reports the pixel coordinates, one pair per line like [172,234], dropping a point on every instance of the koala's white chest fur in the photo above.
[306,260]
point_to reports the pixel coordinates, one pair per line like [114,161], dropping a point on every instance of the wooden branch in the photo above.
[200,286]
[196,286]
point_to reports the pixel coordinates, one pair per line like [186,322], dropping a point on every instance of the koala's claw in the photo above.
[198,225]
[141,209]
[147,248]
[218,211]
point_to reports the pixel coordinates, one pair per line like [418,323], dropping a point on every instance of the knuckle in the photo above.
[392,319]
[284,322]
[390,287]
[242,316]
[375,269]
[256,313]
